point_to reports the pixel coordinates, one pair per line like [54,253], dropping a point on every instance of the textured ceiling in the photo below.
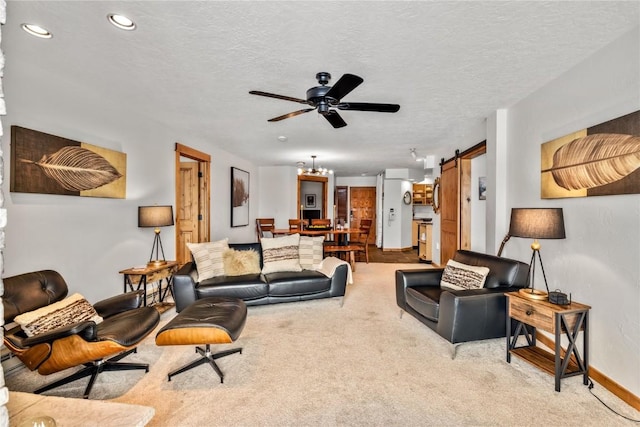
[191,64]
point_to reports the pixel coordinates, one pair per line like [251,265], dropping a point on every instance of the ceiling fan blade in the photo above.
[293,114]
[334,118]
[366,106]
[346,84]
[273,95]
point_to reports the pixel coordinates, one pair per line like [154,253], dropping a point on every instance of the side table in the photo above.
[530,315]
[138,277]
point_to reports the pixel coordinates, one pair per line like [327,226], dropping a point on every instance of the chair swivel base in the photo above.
[94,369]
[207,357]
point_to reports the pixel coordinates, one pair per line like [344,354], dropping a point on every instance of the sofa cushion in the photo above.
[246,287]
[280,254]
[461,276]
[311,252]
[62,313]
[238,263]
[297,283]
[425,300]
[208,258]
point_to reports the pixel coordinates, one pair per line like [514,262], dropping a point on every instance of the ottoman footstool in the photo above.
[214,320]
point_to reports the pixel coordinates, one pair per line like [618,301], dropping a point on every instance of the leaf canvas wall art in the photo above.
[597,161]
[48,164]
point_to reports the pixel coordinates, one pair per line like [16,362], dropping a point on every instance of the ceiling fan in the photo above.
[327,98]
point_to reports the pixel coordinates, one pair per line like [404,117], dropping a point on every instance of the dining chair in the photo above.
[298,224]
[264,227]
[363,238]
[321,221]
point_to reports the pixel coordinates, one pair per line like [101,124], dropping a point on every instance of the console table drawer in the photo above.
[535,315]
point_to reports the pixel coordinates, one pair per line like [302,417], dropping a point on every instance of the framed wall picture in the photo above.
[309,200]
[49,164]
[239,197]
[482,188]
[600,160]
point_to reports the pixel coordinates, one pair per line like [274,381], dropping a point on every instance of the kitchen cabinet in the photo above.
[422,194]
[414,232]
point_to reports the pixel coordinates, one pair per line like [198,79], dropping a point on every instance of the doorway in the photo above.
[363,206]
[193,196]
[312,203]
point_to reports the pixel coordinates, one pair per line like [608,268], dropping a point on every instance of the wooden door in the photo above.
[455,202]
[363,206]
[193,200]
[187,211]
[449,210]
[341,199]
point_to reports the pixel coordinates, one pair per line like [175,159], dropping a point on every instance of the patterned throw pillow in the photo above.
[280,254]
[208,258]
[238,263]
[62,313]
[462,276]
[311,252]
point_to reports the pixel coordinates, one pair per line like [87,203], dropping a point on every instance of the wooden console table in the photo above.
[138,277]
[530,315]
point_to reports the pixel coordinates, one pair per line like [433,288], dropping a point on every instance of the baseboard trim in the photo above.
[606,382]
[397,249]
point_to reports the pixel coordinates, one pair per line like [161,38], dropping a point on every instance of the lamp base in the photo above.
[156,263]
[533,294]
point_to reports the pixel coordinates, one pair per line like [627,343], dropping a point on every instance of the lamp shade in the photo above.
[155,216]
[537,223]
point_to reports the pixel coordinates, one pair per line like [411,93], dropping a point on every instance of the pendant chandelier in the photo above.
[312,171]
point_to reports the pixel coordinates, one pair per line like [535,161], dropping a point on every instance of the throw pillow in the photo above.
[238,263]
[208,258]
[70,310]
[280,254]
[311,252]
[462,276]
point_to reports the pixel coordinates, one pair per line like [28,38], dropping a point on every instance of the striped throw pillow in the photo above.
[208,258]
[280,254]
[311,252]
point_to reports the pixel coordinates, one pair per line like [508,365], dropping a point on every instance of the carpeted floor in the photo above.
[319,363]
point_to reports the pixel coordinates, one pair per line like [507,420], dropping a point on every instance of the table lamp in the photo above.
[536,223]
[155,216]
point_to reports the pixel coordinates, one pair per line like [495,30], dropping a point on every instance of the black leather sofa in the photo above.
[462,315]
[258,289]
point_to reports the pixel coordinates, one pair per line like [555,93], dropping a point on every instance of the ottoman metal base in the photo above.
[207,356]
[213,320]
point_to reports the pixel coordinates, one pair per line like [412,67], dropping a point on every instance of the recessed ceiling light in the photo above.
[121,22]
[37,30]
[282,138]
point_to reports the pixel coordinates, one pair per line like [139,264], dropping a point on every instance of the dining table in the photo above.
[342,246]
[341,232]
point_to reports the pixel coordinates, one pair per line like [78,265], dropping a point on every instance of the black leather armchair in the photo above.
[462,315]
[85,343]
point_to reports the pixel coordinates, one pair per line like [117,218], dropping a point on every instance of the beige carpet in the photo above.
[317,363]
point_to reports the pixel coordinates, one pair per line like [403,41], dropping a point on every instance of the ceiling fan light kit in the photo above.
[326,99]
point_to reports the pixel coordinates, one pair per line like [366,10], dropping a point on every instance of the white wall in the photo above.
[396,234]
[88,240]
[478,207]
[278,194]
[598,262]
